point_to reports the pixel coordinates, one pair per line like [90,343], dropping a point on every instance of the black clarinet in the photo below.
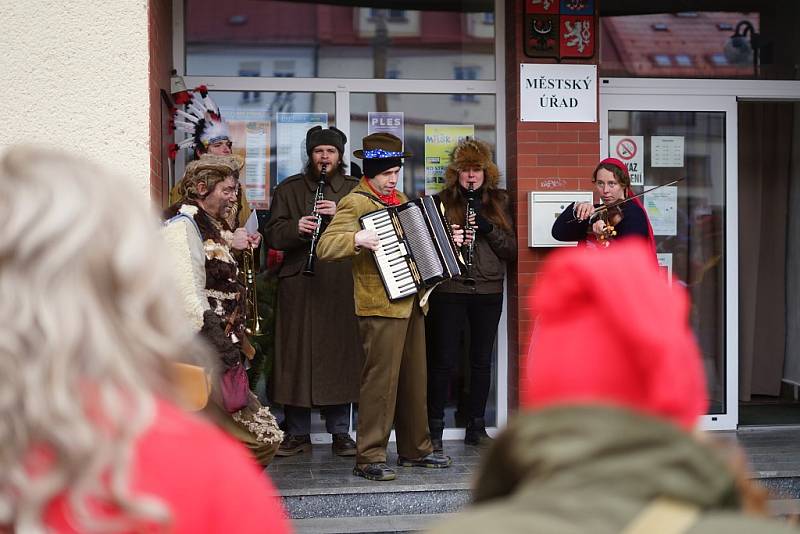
[469,254]
[318,196]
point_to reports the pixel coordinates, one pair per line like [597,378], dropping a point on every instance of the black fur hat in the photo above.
[317,136]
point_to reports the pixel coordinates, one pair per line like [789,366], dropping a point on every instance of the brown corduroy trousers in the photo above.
[393,388]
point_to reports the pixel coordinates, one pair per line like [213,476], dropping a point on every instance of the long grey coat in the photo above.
[318,354]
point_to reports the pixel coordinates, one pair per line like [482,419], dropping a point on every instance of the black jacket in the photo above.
[634,222]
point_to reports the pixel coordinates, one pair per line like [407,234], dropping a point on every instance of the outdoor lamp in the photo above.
[742,47]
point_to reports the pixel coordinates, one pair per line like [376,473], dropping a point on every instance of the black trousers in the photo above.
[449,314]
[298,419]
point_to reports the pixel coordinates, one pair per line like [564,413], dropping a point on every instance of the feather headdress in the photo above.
[200,120]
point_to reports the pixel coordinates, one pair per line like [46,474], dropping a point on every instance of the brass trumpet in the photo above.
[252,320]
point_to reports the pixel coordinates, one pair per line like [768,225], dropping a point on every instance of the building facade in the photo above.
[709,96]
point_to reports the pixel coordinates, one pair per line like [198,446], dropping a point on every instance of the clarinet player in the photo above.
[474,300]
[318,355]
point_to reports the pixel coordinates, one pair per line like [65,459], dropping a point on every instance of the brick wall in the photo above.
[160,66]
[541,157]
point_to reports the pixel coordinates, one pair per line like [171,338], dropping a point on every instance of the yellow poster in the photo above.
[440,140]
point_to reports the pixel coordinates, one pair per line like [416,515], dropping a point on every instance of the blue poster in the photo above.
[291,141]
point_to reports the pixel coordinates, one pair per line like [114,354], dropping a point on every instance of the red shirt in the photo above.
[208,481]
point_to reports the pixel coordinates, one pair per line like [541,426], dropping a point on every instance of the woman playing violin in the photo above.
[613,218]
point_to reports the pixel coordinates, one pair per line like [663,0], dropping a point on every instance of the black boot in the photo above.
[292,445]
[437,428]
[476,433]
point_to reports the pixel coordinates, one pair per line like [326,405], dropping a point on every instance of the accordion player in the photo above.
[416,249]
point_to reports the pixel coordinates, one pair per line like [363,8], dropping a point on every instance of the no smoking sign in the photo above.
[628,149]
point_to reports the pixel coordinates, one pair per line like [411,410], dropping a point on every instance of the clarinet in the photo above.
[309,268]
[469,255]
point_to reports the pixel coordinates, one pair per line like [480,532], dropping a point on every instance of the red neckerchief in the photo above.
[390,199]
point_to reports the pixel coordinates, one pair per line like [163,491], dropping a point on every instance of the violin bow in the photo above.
[599,211]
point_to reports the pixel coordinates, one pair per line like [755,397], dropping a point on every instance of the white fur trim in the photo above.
[188,260]
[221,295]
[215,251]
[188,209]
[261,424]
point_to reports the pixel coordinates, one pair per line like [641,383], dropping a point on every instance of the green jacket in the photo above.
[337,243]
[584,469]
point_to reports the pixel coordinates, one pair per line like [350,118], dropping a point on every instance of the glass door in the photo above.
[690,138]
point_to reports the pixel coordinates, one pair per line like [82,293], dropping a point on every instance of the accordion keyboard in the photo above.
[392,255]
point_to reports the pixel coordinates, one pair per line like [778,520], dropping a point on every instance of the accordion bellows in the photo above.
[416,249]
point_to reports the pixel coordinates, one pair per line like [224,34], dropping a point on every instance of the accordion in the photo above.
[416,250]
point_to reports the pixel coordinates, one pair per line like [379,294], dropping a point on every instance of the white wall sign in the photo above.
[544,207]
[629,149]
[665,264]
[291,143]
[666,151]
[558,93]
[661,206]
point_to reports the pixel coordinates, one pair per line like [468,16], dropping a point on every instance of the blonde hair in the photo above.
[89,320]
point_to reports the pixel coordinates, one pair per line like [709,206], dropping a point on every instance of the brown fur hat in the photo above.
[211,170]
[468,153]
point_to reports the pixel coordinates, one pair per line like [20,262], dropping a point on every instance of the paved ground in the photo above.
[321,492]
[772,452]
[321,471]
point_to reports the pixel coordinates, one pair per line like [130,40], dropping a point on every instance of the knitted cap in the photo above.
[610,330]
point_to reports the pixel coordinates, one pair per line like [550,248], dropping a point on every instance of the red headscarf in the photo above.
[629,193]
[610,330]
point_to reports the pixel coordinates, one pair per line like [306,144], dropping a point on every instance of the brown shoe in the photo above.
[292,445]
[377,471]
[434,460]
[343,445]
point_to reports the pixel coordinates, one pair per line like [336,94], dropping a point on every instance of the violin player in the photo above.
[613,218]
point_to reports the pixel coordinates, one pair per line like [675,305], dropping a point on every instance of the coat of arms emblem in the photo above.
[559,28]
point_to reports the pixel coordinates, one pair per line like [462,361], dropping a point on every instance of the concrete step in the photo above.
[321,494]
[321,485]
[380,499]
[371,525]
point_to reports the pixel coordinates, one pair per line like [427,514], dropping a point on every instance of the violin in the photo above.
[611,215]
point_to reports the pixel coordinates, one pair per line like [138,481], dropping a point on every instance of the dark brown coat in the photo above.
[318,354]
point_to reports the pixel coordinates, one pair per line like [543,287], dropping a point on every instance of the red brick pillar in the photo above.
[159,26]
[540,157]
